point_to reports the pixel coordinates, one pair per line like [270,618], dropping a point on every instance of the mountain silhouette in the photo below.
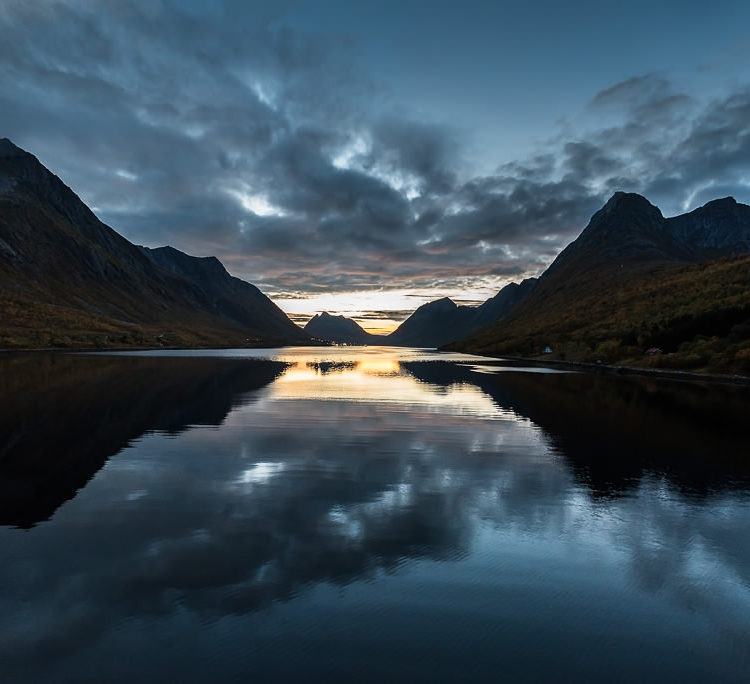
[633,281]
[629,230]
[442,321]
[339,329]
[67,279]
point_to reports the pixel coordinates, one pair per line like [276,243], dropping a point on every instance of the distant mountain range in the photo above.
[442,321]
[431,325]
[67,279]
[636,287]
[339,329]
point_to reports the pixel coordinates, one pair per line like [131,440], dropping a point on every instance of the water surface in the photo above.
[367,514]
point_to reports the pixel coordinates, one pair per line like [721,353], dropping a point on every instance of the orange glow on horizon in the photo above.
[378,312]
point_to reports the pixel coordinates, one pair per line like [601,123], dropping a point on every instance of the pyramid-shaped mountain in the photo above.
[339,329]
[443,321]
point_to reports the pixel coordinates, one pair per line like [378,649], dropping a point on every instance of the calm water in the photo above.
[368,515]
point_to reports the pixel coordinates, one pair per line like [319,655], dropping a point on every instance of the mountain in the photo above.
[719,228]
[432,324]
[230,298]
[501,304]
[443,321]
[339,329]
[629,230]
[67,279]
[635,281]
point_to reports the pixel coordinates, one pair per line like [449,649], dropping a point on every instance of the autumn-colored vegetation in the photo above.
[69,281]
[28,324]
[696,316]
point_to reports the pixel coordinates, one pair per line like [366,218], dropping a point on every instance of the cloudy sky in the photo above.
[365,157]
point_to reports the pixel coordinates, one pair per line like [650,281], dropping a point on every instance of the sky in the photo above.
[366,157]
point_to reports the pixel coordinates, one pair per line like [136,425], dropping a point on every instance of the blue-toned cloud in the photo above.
[220,129]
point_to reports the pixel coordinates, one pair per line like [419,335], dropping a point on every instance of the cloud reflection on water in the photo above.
[338,474]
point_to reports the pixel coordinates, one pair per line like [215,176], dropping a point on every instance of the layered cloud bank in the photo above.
[232,131]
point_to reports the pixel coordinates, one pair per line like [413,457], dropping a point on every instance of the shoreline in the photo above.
[104,350]
[596,368]
[606,369]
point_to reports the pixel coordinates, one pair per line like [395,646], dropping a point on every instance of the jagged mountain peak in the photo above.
[443,304]
[628,227]
[631,271]
[626,206]
[721,202]
[718,228]
[9,149]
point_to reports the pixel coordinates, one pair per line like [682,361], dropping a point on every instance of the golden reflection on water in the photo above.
[379,367]
[377,379]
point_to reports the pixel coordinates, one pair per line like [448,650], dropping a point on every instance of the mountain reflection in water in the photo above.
[363,512]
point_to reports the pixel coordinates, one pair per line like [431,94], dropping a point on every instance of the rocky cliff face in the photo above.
[630,230]
[718,228]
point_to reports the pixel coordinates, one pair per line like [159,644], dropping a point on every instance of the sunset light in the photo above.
[374,340]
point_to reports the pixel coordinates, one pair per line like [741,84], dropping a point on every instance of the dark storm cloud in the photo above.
[428,153]
[517,219]
[218,130]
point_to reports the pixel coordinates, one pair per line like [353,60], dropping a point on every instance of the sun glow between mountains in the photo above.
[378,312]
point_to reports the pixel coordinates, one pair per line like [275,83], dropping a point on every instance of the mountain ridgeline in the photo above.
[431,325]
[442,321]
[635,288]
[67,279]
[640,289]
[339,329]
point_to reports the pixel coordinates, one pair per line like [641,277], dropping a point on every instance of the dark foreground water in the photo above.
[368,515]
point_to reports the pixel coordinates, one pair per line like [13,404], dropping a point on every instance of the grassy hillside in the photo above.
[698,315]
[67,279]
[30,324]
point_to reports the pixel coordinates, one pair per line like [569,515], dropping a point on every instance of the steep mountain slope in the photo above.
[634,281]
[68,279]
[432,324]
[230,298]
[443,321]
[501,304]
[719,228]
[339,329]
